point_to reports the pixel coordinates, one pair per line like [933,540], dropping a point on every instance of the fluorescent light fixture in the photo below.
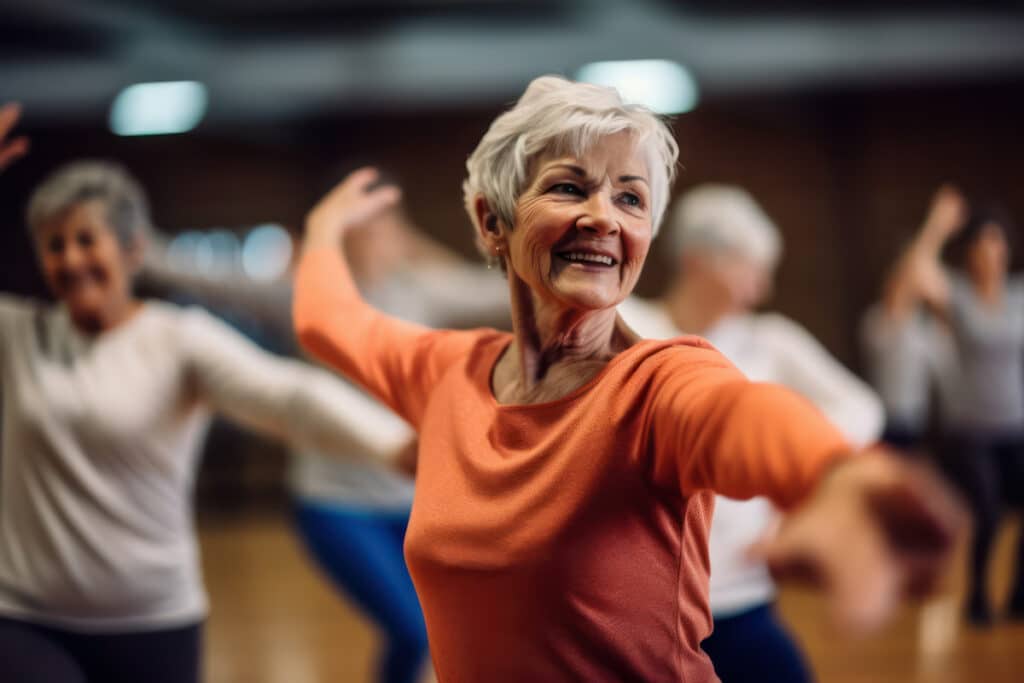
[266,253]
[660,85]
[158,108]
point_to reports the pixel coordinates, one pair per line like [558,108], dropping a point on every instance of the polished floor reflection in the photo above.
[274,619]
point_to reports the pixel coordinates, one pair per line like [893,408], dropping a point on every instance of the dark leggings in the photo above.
[990,472]
[30,653]
[753,647]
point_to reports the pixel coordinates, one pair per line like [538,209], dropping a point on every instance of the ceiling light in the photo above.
[158,108]
[660,85]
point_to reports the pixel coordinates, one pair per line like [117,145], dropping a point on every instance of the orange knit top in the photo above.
[566,541]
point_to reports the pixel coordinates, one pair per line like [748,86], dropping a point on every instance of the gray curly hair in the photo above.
[80,181]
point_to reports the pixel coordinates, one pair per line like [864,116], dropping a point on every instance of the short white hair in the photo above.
[80,181]
[559,116]
[725,217]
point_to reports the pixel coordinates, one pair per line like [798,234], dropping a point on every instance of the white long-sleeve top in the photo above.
[100,441]
[767,348]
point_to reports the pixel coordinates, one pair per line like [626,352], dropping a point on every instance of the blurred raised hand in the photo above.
[356,200]
[10,149]
[879,529]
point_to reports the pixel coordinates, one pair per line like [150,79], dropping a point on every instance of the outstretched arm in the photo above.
[267,302]
[397,361]
[291,400]
[870,529]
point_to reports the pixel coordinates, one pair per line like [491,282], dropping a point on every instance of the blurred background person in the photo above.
[106,398]
[978,306]
[726,250]
[352,514]
[909,353]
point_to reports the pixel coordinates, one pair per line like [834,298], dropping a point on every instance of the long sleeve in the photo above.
[398,362]
[302,404]
[806,367]
[714,429]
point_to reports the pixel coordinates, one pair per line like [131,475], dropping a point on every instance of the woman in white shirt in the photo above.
[105,401]
[726,250]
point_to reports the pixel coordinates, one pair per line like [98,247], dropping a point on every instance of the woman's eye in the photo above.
[55,245]
[567,188]
[631,199]
[85,239]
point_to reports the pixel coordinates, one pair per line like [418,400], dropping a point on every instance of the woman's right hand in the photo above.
[10,149]
[946,215]
[354,201]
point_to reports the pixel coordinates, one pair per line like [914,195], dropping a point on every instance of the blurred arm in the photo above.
[267,302]
[288,399]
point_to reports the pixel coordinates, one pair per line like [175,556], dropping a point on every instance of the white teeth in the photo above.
[595,258]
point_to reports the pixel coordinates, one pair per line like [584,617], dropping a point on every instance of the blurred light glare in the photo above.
[181,252]
[226,250]
[660,85]
[158,108]
[266,253]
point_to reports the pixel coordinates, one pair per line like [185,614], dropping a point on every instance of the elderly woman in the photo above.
[105,402]
[567,471]
[726,250]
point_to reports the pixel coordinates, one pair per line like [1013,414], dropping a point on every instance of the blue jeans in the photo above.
[753,647]
[361,551]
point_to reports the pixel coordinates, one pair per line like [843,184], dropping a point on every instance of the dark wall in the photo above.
[847,176]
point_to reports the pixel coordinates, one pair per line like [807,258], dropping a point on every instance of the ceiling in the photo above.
[271,60]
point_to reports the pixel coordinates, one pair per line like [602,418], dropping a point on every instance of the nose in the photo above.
[598,217]
[71,257]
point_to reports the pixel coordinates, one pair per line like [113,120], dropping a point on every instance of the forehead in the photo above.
[616,155]
[90,214]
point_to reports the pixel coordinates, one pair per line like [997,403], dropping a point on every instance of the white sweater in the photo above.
[100,442]
[767,348]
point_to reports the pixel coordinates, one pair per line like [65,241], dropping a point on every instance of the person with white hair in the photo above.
[726,249]
[566,472]
[105,401]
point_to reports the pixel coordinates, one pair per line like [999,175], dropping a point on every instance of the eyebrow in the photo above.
[583,174]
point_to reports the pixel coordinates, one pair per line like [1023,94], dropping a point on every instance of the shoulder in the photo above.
[15,307]
[778,325]
[680,356]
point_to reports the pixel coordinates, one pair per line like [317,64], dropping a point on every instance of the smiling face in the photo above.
[86,267]
[583,226]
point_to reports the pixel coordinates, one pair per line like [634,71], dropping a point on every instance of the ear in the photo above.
[489,228]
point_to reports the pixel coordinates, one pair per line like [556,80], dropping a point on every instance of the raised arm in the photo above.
[291,400]
[10,149]
[869,529]
[397,361]
[918,276]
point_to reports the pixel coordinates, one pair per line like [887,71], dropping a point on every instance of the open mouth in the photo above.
[589,259]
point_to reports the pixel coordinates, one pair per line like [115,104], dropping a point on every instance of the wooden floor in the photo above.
[274,619]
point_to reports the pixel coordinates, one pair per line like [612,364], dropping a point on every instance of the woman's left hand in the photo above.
[877,529]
